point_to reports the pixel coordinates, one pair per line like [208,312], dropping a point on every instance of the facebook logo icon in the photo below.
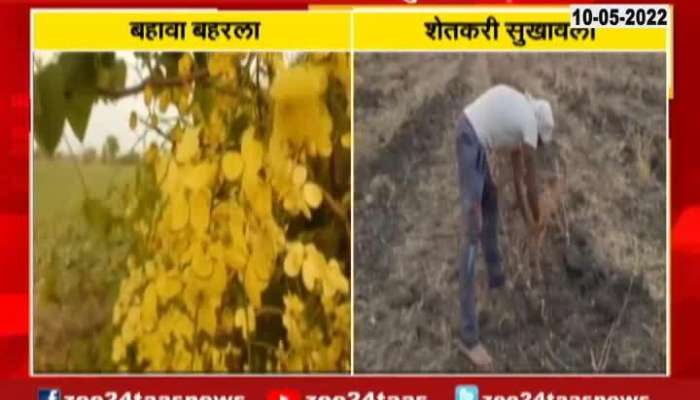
[467,392]
[49,394]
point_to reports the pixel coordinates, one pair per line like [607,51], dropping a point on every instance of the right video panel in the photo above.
[510,212]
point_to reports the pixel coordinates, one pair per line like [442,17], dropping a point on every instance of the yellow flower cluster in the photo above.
[220,257]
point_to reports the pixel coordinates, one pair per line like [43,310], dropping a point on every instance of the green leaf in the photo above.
[79,92]
[112,78]
[133,120]
[78,108]
[106,59]
[104,78]
[169,61]
[49,107]
[80,71]
[118,75]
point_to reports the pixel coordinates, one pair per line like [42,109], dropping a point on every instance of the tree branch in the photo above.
[154,82]
[337,210]
[155,129]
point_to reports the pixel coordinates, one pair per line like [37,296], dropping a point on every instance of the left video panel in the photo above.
[191,212]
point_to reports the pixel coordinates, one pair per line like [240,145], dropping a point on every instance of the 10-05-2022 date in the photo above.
[639,16]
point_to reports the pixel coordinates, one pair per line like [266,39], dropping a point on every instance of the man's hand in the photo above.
[518,183]
[525,174]
[531,182]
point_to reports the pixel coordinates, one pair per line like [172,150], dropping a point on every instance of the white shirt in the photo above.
[503,118]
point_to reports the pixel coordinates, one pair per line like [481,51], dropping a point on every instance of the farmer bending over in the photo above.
[502,118]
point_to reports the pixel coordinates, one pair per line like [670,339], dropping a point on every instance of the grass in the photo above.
[59,193]
[76,271]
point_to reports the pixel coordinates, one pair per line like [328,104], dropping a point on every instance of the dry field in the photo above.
[600,305]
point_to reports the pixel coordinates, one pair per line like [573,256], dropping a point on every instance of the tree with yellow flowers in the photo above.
[239,221]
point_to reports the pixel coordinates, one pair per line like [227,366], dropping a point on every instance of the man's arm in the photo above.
[531,181]
[518,172]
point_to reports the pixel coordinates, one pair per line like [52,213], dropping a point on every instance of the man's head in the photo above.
[545,120]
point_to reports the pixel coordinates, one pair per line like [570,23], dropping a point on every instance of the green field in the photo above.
[59,193]
[76,268]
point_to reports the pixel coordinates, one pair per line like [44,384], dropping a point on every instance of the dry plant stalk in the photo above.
[550,209]
[549,206]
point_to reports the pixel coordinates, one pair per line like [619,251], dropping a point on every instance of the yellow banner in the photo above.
[496,29]
[362,29]
[215,30]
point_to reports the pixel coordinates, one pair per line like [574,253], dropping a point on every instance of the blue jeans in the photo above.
[476,185]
